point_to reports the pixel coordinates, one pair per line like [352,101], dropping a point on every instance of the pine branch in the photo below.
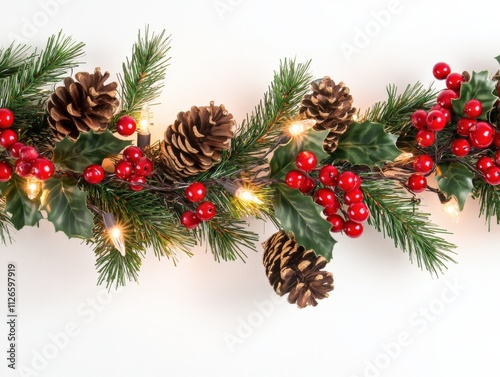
[395,113]
[12,60]
[397,216]
[5,223]
[143,73]
[489,198]
[115,269]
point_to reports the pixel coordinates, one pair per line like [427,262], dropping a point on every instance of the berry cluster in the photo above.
[469,133]
[28,161]
[205,210]
[338,193]
[134,168]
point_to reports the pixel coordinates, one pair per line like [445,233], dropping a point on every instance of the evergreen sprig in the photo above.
[141,82]
[397,216]
[489,199]
[12,59]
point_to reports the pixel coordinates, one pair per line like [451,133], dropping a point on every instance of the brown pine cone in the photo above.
[330,105]
[82,105]
[292,269]
[196,140]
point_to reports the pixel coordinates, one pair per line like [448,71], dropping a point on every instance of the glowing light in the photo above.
[144,121]
[33,187]
[114,232]
[298,127]
[450,207]
[247,195]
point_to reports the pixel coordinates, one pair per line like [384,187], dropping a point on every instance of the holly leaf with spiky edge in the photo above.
[66,207]
[284,158]
[299,214]
[367,144]
[89,148]
[23,211]
[480,87]
[455,179]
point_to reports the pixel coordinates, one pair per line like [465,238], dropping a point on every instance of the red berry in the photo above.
[337,222]
[435,120]
[497,158]
[464,125]
[307,185]
[295,179]
[349,181]
[190,220]
[205,211]
[7,138]
[425,138]
[93,174]
[358,212]
[423,164]
[419,119]
[15,149]
[460,147]
[473,109]
[126,125]
[306,161]
[332,209]
[6,118]
[123,169]
[136,182]
[353,229]
[132,154]
[446,113]
[484,163]
[143,166]
[492,175]
[324,197]
[5,171]
[444,98]
[42,168]
[454,81]
[329,175]
[481,135]
[441,70]
[417,182]
[28,153]
[496,140]
[353,196]
[23,168]
[196,192]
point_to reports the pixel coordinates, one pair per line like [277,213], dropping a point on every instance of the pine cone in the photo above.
[196,140]
[82,105]
[330,105]
[292,269]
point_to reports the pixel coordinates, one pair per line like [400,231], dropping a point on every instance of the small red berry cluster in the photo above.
[205,210]
[471,132]
[28,161]
[134,168]
[338,193]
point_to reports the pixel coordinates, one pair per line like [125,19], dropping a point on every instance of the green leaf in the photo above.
[299,214]
[480,87]
[455,179]
[284,158]
[497,58]
[24,211]
[89,148]
[368,144]
[66,207]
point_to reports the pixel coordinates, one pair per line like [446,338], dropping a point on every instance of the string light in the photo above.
[143,134]
[450,207]
[114,232]
[244,193]
[298,127]
[33,187]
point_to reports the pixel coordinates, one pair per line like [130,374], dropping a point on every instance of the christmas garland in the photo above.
[304,159]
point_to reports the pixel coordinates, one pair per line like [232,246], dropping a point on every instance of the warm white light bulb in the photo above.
[33,187]
[300,126]
[144,121]
[247,196]
[114,232]
[451,209]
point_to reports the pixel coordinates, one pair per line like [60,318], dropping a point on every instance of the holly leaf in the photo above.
[368,144]
[497,58]
[455,179]
[480,87]
[66,207]
[284,157]
[89,148]
[299,214]
[23,211]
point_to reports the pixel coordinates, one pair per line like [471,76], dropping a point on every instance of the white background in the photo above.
[207,319]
